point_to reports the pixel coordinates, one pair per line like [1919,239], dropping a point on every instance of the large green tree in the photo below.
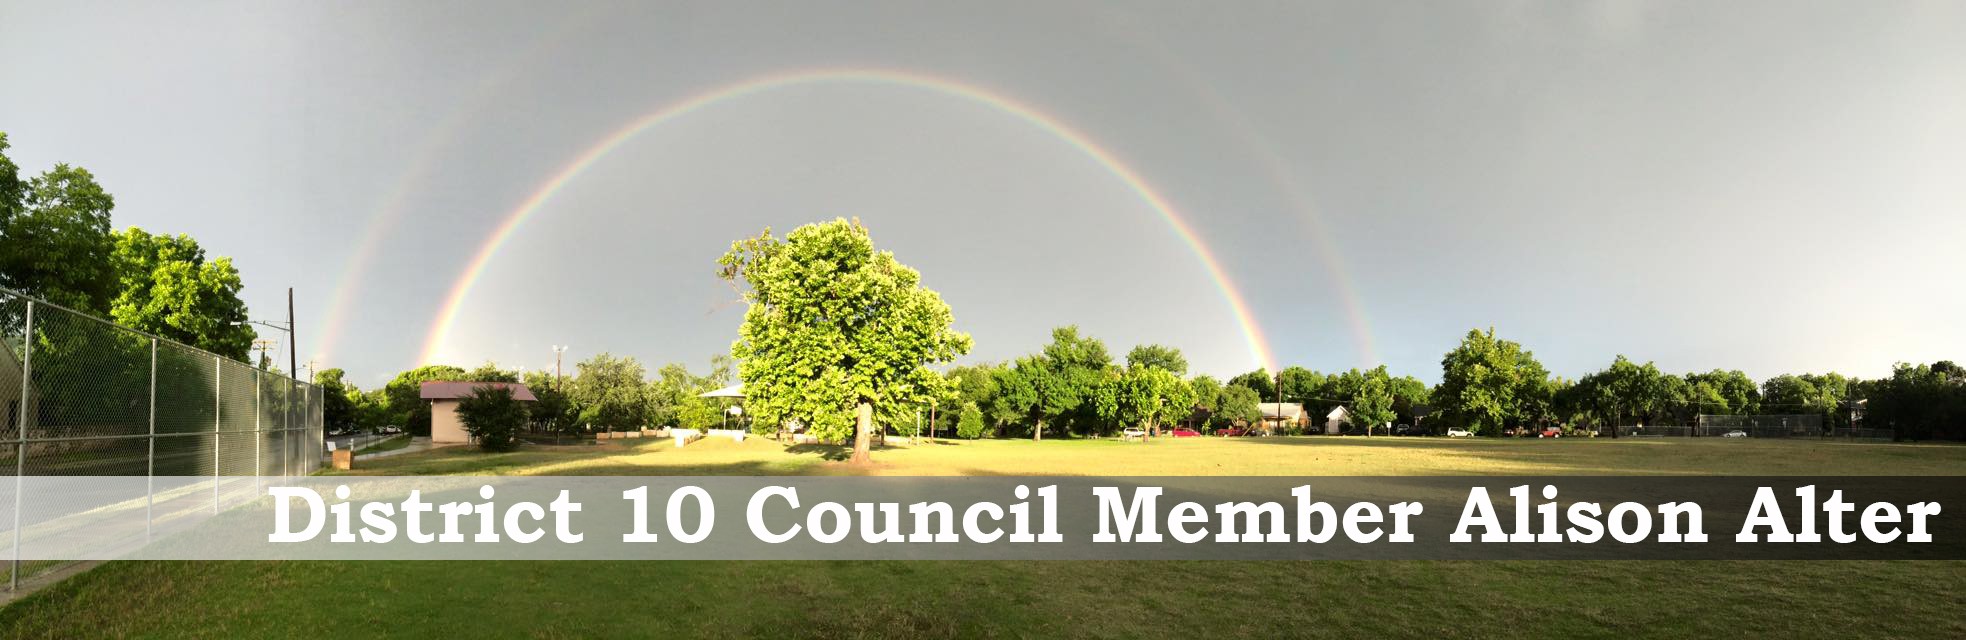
[1238,404]
[405,395]
[1017,392]
[611,392]
[1483,381]
[1259,381]
[1720,392]
[1145,396]
[1163,357]
[1208,395]
[54,236]
[553,409]
[1920,402]
[337,398]
[167,287]
[1372,406]
[836,330]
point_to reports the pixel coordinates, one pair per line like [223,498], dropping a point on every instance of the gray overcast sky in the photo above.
[1769,186]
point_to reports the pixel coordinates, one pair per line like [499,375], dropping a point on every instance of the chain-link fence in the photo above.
[193,430]
[1788,425]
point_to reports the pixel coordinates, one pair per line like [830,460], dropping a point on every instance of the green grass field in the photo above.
[1081,599]
[1296,456]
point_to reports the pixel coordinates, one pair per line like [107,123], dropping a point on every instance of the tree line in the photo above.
[1489,386]
[1074,387]
[57,243]
[604,392]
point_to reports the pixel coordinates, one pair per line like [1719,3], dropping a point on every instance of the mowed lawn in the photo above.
[1293,456]
[1050,599]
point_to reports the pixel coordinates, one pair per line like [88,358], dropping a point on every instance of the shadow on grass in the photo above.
[828,452]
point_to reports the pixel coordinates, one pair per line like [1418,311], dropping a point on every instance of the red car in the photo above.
[1229,432]
[1550,433]
[1184,433]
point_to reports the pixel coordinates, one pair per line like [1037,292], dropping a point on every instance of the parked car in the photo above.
[1737,433]
[390,430]
[1459,433]
[1184,433]
[1408,430]
[1550,433]
[1231,432]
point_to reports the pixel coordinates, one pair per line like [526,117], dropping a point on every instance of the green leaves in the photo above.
[1485,383]
[1372,406]
[166,287]
[832,323]
[493,416]
[610,392]
[54,236]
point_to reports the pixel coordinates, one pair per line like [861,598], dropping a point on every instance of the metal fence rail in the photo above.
[86,397]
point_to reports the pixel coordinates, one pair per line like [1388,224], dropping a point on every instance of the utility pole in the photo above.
[1279,399]
[263,346]
[558,349]
[293,349]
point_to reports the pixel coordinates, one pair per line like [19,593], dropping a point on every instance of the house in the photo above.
[10,394]
[1336,421]
[1279,417]
[443,397]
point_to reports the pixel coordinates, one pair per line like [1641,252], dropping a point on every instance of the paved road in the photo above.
[358,440]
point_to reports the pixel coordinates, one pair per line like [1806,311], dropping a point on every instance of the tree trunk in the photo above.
[863,437]
[1038,433]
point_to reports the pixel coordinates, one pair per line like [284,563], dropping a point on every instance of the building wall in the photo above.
[445,428]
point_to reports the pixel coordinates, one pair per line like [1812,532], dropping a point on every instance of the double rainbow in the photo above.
[440,328]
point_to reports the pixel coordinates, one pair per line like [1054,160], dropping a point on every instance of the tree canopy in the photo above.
[168,288]
[1482,381]
[835,327]
[1166,358]
[54,236]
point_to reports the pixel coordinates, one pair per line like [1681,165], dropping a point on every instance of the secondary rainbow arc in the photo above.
[440,329]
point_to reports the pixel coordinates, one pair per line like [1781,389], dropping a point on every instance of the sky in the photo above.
[1773,187]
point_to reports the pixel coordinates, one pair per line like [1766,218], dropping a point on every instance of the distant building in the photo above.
[443,397]
[1336,421]
[1278,417]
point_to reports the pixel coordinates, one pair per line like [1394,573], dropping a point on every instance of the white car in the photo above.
[1737,433]
[1459,433]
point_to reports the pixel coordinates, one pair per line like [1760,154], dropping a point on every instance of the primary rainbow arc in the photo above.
[439,332]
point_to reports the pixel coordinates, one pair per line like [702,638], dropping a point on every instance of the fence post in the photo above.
[20,434]
[257,436]
[150,459]
[218,418]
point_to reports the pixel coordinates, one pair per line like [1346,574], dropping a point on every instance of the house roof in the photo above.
[733,391]
[1339,413]
[447,390]
[1287,410]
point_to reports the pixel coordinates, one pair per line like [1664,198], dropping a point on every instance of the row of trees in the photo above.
[1489,384]
[605,392]
[57,243]
[1073,386]
[839,337]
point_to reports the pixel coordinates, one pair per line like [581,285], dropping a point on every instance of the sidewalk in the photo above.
[416,444]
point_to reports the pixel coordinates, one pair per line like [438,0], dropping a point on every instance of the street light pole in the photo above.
[293,348]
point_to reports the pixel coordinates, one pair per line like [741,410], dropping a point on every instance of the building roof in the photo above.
[1287,410]
[733,391]
[1340,413]
[447,390]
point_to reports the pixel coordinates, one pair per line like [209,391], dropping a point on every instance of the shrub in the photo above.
[494,417]
[970,426]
